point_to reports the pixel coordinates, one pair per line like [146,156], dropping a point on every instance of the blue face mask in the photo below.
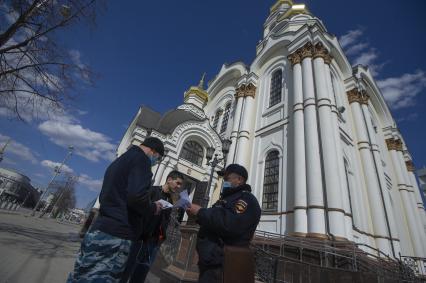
[153,160]
[226,185]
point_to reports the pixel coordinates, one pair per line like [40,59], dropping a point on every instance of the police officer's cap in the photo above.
[234,168]
[155,144]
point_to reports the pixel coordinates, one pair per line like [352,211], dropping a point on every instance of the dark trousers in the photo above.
[210,274]
[142,256]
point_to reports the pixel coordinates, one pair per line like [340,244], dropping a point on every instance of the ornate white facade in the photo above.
[324,155]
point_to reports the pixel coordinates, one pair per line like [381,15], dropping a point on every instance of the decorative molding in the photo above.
[320,51]
[410,166]
[306,51]
[195,90]
[328,59]
[193,109]
[246,90]
[202,126]
[394,144]
[294,58]
[354,95]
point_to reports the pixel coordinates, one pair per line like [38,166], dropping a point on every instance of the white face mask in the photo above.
[153,159]
[226,185]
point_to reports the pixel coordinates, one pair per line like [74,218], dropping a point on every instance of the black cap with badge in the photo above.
[234,168]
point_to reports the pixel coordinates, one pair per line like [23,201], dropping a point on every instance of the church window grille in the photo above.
[216,119]
[271,178]
[276,88]
[192,152]
[225,118]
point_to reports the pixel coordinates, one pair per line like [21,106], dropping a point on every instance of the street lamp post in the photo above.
[57,172]
[213,162]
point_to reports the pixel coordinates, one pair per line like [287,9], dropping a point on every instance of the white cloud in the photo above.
[401,92]
[53,165]
[91,184]
[91,145]
[17,149]
[350,37]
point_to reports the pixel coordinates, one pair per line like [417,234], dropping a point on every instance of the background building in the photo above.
[324,154]
[16,189]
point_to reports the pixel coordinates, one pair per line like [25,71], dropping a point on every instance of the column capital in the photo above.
[294,58]
[328,59]
[364,98]
[306,51]
[390,143]
[320,51]
[355,95]
[246,90]
[398,145]
[410,166]
[239,92]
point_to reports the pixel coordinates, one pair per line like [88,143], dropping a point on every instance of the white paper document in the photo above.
[165,204]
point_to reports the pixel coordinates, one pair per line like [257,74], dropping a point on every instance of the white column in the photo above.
[336,213]
[417,192]
[297,166]
[381,178]
[408,209]
[418,216]
[235,126]
[160,171]
[410,201]
[316,219]
[243,140]
[374,198]
[344,185]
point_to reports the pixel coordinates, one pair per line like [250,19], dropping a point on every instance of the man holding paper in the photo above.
[143,252]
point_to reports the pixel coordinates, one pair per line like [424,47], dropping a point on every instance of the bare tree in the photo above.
[64,196]
[37,73]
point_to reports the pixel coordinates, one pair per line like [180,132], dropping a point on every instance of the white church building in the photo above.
[324,154]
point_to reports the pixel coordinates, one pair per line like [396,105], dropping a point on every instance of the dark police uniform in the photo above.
[231,221]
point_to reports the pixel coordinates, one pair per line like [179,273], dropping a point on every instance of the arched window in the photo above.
[270,183]
[216,119]
[225,118]
[193,152]
[276,87]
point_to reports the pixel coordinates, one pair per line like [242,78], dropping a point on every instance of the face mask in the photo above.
[153,160]
[226,185]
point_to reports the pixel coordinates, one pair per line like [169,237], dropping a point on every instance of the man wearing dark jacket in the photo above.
[124,201]
[231,221]
[144,251]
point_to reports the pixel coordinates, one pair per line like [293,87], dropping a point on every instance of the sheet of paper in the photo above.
[165,204]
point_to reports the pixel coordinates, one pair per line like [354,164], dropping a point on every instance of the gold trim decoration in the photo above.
[294,58]
[246,90]
[320,51]
[278,4]
[410,166]
[354,96]
[317,236]
[398,145]
[306,51]
[201,93]
[390,144]
[297,234]
[364,98]
[328,59]
[295,9]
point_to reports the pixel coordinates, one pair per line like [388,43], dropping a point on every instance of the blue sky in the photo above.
[151,52]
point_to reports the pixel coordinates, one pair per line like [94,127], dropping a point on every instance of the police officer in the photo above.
[231,221]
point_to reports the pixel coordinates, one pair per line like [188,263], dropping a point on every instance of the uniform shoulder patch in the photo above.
[240,206]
